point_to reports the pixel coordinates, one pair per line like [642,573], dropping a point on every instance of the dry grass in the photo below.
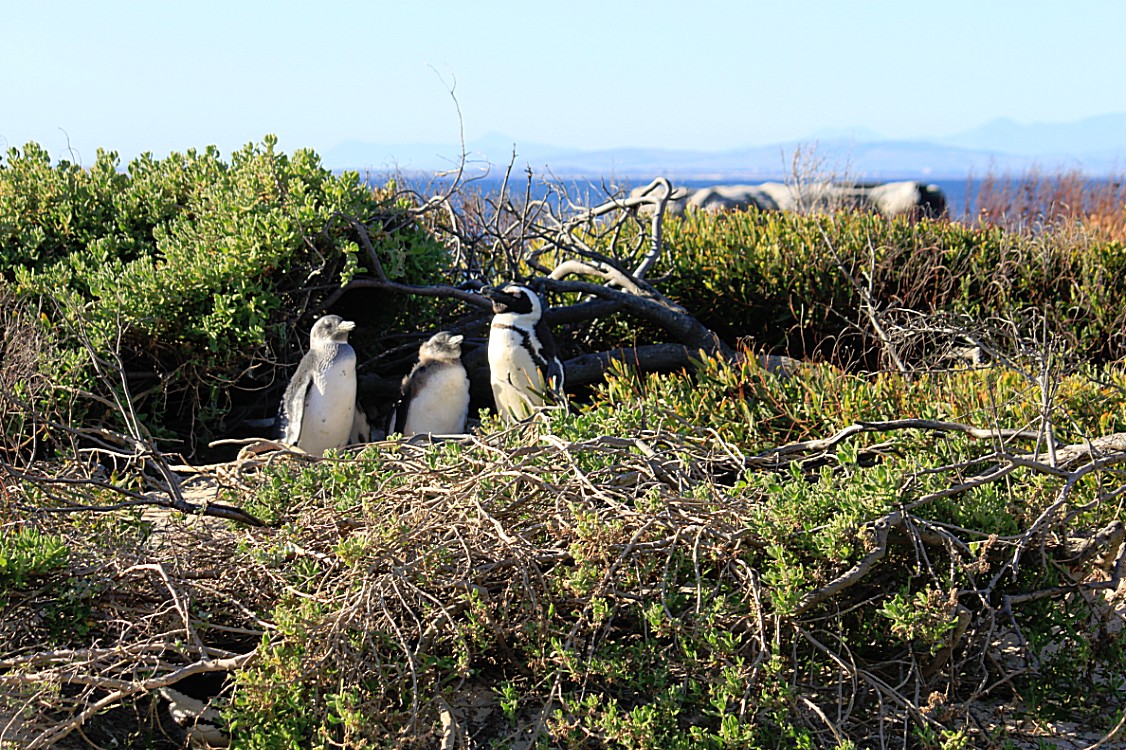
[1036,201]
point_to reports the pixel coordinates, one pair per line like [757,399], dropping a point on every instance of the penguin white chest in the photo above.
[517,382]
[441,404]
[330,405]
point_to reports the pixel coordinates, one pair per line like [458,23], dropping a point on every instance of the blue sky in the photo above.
[161,76]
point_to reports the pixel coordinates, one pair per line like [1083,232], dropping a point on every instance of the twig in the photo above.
[122,691]
[137,499]
[878,537]
[771,456]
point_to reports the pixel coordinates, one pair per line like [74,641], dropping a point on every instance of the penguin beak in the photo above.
[501,300]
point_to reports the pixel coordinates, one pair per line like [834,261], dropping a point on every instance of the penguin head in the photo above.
[443,346]
[515,300]
[330,329]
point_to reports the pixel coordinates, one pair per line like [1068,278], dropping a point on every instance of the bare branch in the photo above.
[771,456]
[121,691]
[877,533]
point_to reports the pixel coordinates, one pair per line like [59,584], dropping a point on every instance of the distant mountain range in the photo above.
[1096,146]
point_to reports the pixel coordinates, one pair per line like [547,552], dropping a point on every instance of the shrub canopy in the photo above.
[779,279]
[192,268]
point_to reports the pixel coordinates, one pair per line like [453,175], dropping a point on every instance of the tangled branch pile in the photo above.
[633,579]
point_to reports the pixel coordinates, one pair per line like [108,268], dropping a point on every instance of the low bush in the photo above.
[659,570]
[617,581]
[191,270]
[719,557]
[782,280]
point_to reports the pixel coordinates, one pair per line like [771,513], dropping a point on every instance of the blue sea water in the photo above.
[589,191]
[957,192]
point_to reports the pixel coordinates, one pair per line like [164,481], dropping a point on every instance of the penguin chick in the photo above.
[318,409]
[524,370]
[436,392]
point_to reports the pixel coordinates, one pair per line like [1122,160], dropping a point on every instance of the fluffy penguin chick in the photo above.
[523,367]
[318,409]
[436,392]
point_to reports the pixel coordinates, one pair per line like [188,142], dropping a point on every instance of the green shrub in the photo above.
[619,576]
[646,571]
[192,268]
[25,553]
[778,279]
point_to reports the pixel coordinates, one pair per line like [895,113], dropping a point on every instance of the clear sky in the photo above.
[159,76]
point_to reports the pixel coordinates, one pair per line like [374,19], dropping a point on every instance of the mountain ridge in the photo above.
[1095,145]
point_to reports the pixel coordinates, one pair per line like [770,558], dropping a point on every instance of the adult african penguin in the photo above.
[435,397]
[319,407]
[524,370]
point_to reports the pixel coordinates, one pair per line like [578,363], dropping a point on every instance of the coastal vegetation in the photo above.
[836,480]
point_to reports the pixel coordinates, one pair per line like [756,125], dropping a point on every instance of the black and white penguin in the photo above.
[436,392]
[524,370]
[318,410]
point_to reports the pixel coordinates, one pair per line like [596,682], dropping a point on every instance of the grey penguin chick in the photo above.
[524,369]
[436,392]
[318,409]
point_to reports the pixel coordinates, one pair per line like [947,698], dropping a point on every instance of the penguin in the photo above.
[318,410]
[361,428]
[435,397]
[524,370]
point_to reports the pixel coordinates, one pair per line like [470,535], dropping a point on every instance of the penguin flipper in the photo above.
[555,377]
[407,390]
[361,428]
[291,430]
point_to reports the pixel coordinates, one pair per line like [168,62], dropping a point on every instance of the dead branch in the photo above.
[119,691]
[1091,450]
[437,290]
[877,533]
[1062,497]
[875,318]
[772,456]
[136,499]
[592,368]
[654,309]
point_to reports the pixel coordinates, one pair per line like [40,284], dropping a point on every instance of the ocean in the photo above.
[589,191]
